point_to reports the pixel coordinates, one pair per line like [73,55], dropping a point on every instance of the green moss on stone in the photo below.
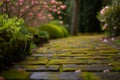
[115,65]
[113,51]
[90,76]
[40,61]
[65,61]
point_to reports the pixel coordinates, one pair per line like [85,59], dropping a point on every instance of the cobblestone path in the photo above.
[74,58]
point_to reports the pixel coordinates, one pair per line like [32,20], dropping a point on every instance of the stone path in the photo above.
[74,58]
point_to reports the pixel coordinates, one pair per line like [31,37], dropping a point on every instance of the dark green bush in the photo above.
[14,41]
[53,30]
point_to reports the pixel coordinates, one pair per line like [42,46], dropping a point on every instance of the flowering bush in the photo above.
[109,17]
[34,12]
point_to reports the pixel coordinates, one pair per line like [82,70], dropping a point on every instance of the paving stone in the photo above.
[66,61]
[42,55]
[37,68]
[108,75]
[89,68]
[56,76]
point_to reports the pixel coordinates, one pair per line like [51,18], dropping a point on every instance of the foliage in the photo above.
[53,30]
[14,40]
[88,11]
[110,18]
[39,37]
[57,22]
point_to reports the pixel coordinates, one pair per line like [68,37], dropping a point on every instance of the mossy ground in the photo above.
[75,54]
[15,75]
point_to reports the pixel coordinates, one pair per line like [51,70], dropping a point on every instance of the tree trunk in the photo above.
[75,18]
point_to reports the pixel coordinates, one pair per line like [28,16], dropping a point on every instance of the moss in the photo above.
[32,62]
[90,76]
[115,65]
[91,52]
[67,61]
[68,55]
[82,58]
[31,67]
[64,30]
[66,34]
[112,51]
[15,75]
[53,30]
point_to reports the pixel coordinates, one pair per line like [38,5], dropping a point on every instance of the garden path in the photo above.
[74,58]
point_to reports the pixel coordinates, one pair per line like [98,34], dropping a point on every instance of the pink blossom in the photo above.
[39,14]
[33,2]
[50,9]
[102,12]
[112,39]
[45,6]
[20,4]
[44,3]
[63,7]
[105,40]
[27,7]
[58,12]
[49,15]
[52,1]
[104,26]
[54,10]
[44,17]
[21,1]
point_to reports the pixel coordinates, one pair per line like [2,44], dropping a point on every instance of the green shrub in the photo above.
[14,40]
[39,37]
[53,30]
[33,30]
[57,23]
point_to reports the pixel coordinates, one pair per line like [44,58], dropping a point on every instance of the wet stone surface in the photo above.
[56,76]
[73,58]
